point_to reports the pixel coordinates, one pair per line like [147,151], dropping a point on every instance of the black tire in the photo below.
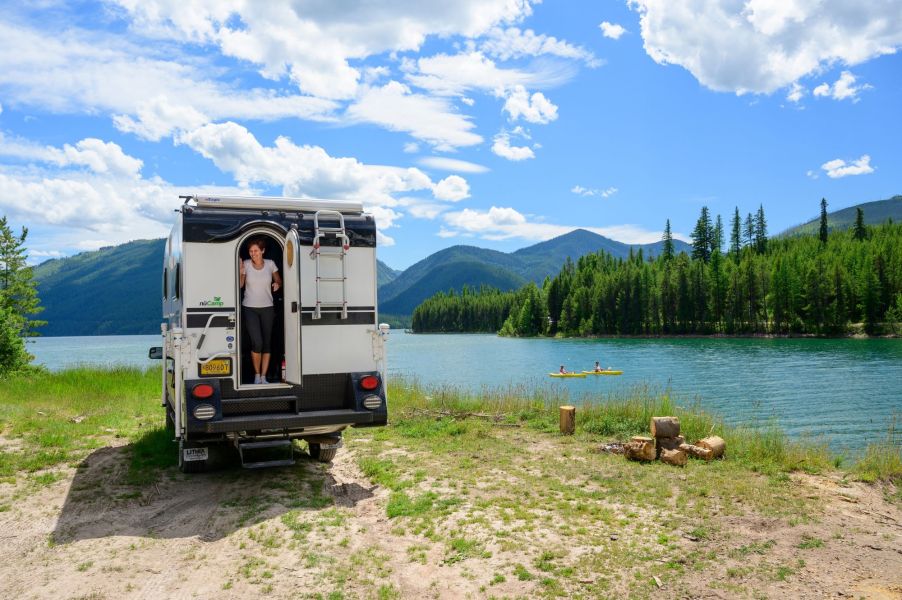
[325,456]
[191,466]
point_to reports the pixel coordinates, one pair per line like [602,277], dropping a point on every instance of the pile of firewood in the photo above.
[669,446]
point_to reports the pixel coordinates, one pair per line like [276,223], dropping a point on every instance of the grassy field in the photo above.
[479,485]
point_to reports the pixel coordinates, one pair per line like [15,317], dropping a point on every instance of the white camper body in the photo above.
[327,357]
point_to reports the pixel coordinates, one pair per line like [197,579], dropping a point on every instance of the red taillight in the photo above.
[369,383]
[202,390]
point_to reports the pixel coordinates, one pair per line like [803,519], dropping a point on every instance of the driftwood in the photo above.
[498,419]
[568,420]
[668,427]
[715,444]
[640,451]
[674,457]
[696,451]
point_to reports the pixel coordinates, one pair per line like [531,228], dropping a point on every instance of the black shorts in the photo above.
[258,326]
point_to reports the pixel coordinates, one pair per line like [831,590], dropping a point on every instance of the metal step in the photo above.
[279,462]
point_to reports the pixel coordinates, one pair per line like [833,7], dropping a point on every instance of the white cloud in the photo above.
[411,148]
[502,147]
[421,209]
[759,46]
[796,93]
[501,223]
[452,164]
[313,43]
[535,108]
[603,193]
[843,89]
[837,168]
[429,119]
[611,30]
[511,42]
[310,171]
[80,72]
[452,188]
[811,174]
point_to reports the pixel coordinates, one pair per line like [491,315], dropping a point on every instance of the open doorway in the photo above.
[272,250]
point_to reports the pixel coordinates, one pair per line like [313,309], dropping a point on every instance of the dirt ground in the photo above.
[322,531]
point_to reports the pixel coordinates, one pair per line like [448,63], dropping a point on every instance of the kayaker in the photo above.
[598,368]
[564,371]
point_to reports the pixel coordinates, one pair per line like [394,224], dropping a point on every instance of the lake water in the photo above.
[845,391]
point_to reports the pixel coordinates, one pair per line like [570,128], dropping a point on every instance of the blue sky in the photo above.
[496,123]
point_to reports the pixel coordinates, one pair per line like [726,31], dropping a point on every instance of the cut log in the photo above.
[568,420]
[640,451]
[669,443]
[665,427]
[641,438]
[674,457]
[696,451]
[715,444]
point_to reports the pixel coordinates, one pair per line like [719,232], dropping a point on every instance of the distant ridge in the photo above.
[116,290]
[875,213]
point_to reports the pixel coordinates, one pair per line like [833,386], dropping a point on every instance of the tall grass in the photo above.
[617,416]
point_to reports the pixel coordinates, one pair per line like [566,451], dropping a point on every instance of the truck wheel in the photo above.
[317,453]
[190,466]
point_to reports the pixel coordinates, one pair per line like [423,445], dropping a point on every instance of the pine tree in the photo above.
[701,236]
[823,230]
[717,236]
[18,290]
[749,230]
[859,232]
[667,251]
[736,236]
[760,231]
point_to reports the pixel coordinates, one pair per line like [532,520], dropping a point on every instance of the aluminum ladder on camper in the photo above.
[319,234]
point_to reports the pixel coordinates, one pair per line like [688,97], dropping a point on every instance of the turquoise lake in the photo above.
[844,391]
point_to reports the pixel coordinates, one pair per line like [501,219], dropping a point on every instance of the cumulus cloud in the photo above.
[453,188]
[456,74]
[314,43]
[534,109]
[843,89]
[611,30]
[602,193]
[796,93]
[502,223]
[502,147]
[837,168]
[759,46]
[426,118]
[443,163]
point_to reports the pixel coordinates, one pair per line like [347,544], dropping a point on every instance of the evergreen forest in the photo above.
[830,283]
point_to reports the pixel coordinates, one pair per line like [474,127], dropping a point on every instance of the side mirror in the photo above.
[156,352]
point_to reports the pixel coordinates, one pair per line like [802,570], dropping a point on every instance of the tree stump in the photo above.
[668,443]
[641,438]
[676,458]
[643,451]
[668,427]
[696,451]
[715,444]
[568,420]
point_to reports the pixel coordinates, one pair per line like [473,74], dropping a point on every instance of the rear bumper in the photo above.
[294,422]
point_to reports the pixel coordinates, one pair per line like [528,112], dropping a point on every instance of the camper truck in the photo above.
[327,358]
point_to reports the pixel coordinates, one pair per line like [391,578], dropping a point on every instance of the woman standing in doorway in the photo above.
[260,278]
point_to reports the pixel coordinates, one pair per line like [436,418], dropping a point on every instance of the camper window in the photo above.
[165,283]
[177,287]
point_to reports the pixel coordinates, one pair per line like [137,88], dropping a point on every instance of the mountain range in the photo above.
[116,290]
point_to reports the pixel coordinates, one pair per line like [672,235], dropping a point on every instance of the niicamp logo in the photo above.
[216,301]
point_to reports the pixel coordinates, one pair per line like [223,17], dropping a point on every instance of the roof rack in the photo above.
[277,203]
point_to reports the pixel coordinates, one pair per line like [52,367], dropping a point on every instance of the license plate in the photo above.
[216,368]
[190,454]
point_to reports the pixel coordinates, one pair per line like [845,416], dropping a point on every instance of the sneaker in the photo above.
[263,379]
[257,379]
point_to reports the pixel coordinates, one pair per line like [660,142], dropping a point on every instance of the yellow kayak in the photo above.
[611,372]
[566,374]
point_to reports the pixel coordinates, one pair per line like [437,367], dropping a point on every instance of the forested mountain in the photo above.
[114,290]
[875,213]
[384,273]
[789,285]
[454,267]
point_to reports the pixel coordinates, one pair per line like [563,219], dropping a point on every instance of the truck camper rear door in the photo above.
[291,282]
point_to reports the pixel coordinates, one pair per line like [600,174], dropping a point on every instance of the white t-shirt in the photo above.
[258,284]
